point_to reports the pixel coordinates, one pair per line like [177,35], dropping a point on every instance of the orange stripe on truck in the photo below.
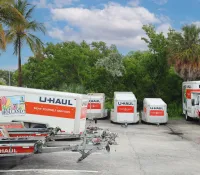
[50,110]
[189,92]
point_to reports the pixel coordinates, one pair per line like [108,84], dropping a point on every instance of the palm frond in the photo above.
[3,2]
[29,12]
[9,14]
[35,26]
[2,38]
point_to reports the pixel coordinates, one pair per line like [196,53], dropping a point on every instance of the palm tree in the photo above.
[8,15]
[184,52]
[21,32]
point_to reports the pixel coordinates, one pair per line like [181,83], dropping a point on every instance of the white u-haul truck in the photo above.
[154,111]
[190,89]
[44,108]
[125,108]
[96,106]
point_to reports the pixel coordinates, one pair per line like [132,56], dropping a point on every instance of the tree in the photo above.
[112,64]
[2,81]
[184,52]
[4,74]
[8,15]
[20,32]
[157,62]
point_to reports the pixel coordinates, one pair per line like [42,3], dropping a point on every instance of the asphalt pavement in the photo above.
[172,149]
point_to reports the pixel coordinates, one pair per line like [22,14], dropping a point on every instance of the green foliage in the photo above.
[2,81]
[184,51]
[79,68]
[5,76]
[112,64]
[74,88]
[175,111]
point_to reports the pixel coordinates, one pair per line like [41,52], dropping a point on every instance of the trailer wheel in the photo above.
[39,126]
[187,118]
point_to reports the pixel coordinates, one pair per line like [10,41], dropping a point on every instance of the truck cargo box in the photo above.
[38,108]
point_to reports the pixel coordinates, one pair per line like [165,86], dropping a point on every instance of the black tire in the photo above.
[187,118]
[39,126]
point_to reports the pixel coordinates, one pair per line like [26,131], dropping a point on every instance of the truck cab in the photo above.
[195,105]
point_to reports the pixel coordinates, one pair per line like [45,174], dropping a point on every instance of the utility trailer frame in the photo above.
[94,139]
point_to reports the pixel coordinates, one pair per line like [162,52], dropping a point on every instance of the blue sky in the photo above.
[116,22]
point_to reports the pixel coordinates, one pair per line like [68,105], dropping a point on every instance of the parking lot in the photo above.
[143,149]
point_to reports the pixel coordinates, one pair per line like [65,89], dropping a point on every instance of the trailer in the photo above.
[44,109]
[96,106]
[154,111]
[94,139]
[125,108]
[188,88]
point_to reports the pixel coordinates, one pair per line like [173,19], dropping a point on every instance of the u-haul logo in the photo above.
[125,103]
[94,101]
[157,108]
[56,101]
[4,151]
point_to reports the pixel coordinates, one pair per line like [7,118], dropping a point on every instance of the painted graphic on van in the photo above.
[13,105]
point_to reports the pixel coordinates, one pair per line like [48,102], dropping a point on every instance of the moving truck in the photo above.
[154,111]
[188,88]
[96,106]
[125,108]
[43,108]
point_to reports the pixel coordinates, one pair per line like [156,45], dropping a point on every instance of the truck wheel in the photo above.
[39,126]
[187,118]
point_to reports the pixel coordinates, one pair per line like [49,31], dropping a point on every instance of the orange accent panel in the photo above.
[156,113]
[50,110]
[125,109]
[28,135]
[189,91]
[94,106]
[16,149]
[12,125]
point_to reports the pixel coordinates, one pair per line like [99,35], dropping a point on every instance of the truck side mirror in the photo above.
[193,102]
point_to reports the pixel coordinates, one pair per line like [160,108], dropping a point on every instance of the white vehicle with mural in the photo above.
[190,91]
[44,108]
[96,106]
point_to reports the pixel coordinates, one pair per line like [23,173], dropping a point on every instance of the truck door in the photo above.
[197,106]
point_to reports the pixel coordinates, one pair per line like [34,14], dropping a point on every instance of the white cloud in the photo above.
[134,3]
[197,23]
[160,2]
[53,3]
[164,28]
[56,33]
[40,3]
[62,3]
[9,68]
[114,24]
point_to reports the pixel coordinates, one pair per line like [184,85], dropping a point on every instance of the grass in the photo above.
[175,111]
